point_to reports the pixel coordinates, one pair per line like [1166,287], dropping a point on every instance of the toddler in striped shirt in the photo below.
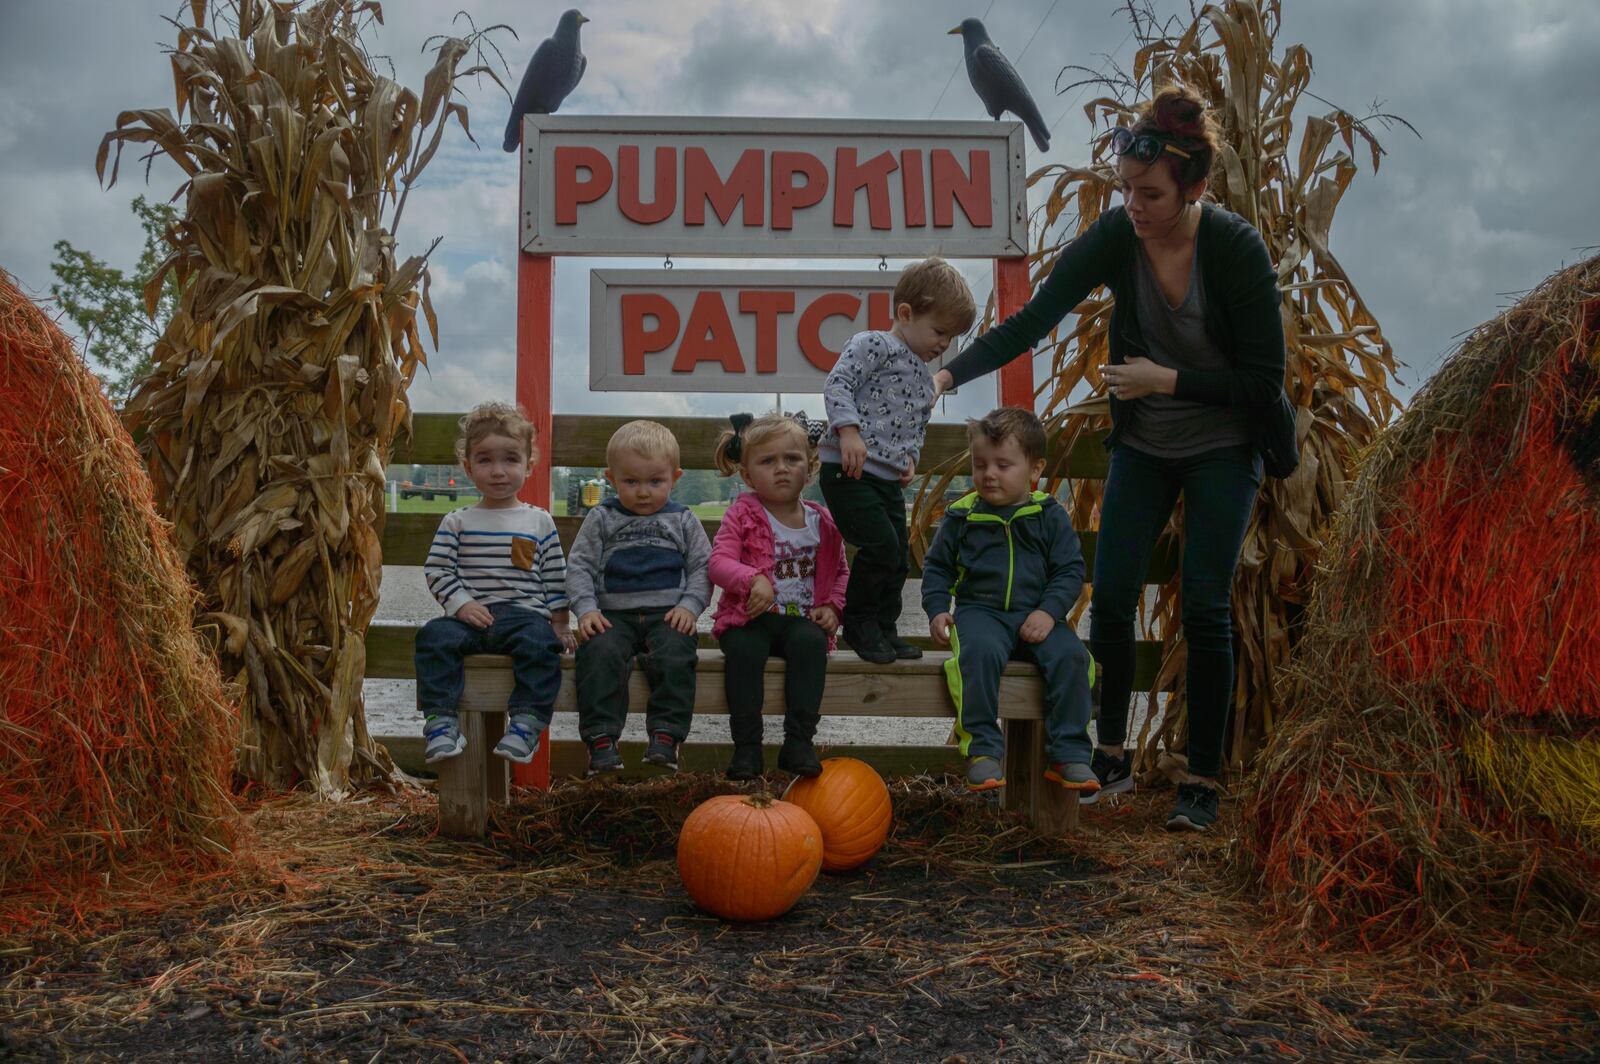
[498,570]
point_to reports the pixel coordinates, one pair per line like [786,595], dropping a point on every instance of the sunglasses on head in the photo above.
[1146,147]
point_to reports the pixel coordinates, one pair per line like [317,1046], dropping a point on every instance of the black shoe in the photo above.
[1116,775]
[1196,808]
[869,644]
[798,757]
[662,751]
[902,650]
[603,755]
[746,763]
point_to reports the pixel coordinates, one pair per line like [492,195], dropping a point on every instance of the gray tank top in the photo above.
[1164,425]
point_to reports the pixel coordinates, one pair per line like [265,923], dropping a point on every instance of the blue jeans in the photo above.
[444,642]
[1219,491]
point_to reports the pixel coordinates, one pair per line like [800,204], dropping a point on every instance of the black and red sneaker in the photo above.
[603,755]
[662,751]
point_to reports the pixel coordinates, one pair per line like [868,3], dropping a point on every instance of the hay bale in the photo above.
[116,740]
[1439,773]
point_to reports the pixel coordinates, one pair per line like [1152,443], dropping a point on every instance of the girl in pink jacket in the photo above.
[779,561]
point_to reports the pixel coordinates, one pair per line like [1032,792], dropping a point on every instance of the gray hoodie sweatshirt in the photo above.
[621,560]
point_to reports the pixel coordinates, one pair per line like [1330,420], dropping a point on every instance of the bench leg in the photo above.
[469,782]
[497,770]
[1052,810]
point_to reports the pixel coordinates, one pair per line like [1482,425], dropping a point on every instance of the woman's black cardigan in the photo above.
[1243,311]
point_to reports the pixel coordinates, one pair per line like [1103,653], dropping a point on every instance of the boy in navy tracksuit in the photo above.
[1010,557]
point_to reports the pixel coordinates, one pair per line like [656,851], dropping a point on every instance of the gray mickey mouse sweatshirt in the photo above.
[882,387]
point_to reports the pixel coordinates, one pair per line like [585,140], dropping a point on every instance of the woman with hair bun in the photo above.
[1195,362]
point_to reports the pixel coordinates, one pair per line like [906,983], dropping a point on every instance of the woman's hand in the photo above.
[942,382]
[1139,377]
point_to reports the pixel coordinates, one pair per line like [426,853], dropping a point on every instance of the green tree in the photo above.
[698,486]
[118,313]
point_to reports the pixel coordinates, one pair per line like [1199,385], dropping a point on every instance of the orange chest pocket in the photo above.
[523,552]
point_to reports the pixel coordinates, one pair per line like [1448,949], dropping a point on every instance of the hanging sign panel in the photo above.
[772,187]
[728,330]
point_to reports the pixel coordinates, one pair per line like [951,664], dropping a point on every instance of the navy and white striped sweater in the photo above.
[509,555]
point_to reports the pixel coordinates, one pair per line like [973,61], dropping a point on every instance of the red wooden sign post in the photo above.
[1010,293]
[535,355]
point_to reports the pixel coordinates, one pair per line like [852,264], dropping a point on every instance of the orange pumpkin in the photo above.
[850,803]
[748,857]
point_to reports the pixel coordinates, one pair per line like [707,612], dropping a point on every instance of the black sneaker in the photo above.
[1116,775]
[797,756]
[746,763]
[662,751]
[603,755]
[902,650]
[1196,808]
[869,644]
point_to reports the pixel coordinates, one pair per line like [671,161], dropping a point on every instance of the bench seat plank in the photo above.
[855,687]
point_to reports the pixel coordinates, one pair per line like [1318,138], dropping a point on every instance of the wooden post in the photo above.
[474,778]
[535,347]
[1050,808]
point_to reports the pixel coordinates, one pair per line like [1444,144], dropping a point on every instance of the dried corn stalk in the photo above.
[1339,365]
[280,383]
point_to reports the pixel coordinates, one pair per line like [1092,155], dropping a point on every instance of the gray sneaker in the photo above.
[985,773]
[441,737]
[521,740]
[1074,776]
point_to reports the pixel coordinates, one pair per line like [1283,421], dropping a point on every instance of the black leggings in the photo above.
[1219,492]
[800,643]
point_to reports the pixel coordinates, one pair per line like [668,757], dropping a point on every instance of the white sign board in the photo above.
[728,330]
[772,187]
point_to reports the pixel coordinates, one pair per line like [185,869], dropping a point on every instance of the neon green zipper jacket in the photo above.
[1025,557]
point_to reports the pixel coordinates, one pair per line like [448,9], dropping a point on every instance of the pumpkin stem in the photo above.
[760,800]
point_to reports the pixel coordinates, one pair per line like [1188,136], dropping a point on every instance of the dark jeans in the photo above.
[605,661]
[800,643]
[871,515]
[527,637]
[1219,490]
[982,641]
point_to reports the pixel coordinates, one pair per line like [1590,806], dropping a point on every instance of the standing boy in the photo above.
[498,571]
[1011,558]
[637,581]
[879,397]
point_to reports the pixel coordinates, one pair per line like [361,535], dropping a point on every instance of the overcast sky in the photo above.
[1502,188]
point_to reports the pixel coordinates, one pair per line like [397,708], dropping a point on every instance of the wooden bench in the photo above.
[468,784]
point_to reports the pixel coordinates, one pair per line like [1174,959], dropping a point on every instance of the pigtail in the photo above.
[730,445]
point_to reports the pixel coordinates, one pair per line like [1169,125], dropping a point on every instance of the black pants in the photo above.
[605,661]
[1219,492]
[800,643]
[871,515]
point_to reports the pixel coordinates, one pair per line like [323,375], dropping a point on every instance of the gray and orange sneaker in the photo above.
[1074,776]
[985,773]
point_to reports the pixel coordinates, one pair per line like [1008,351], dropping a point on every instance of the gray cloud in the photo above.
[1498,193]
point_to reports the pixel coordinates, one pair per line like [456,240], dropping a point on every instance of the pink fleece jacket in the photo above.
[744,549]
